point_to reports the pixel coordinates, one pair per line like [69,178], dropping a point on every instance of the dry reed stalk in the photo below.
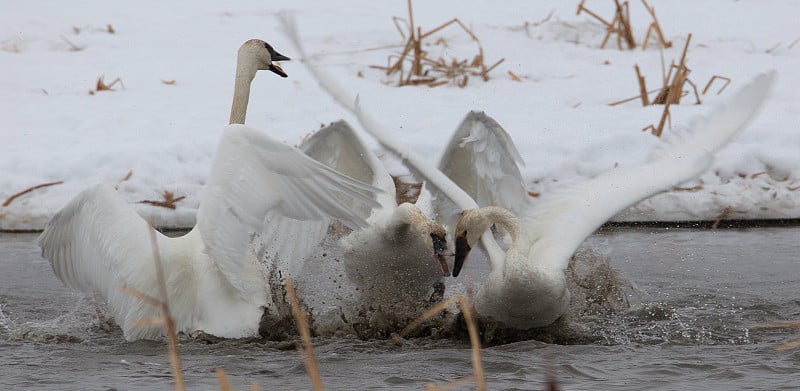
[11,199]
[124,179]
[223,380]
[472,328]
[172,333]
[169,200]
[642,86]
[713,79]
[654,26]
[102,86]
[72,47]
[777,325]
[429,72]
[785,324]
[726,212]
[672,91]
[166,317]
[307,350]
[619,25]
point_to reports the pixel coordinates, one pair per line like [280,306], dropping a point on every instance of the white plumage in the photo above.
[399,256]
[97,243]
[527,287]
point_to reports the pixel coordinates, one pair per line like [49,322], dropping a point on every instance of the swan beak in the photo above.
[275,56]
[440,251]
[462,250]
[277,69]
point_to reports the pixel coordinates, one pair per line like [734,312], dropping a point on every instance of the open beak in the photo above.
[440,251]
[275,56]
[462,251]
[277,69]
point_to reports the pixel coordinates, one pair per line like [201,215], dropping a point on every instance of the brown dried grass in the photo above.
[620,25]
[672,89]
[169,200]
[102,86]
[433,72]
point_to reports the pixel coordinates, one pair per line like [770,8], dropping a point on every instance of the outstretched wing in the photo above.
[338,147]
[98,244]
[253,175]
[482,159]
[563,218]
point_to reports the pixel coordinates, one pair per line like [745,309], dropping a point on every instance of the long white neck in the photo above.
[504,218]
[241,91]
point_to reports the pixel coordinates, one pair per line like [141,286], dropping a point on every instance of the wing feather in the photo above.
[562,219]
[482,159]
[98,244]
[253,175]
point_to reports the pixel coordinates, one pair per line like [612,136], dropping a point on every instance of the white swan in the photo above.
[527,288]
[97,243]
[399,256]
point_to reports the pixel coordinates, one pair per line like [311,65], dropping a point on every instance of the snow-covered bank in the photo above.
[164,134]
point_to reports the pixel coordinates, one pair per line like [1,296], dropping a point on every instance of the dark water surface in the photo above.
[696,297]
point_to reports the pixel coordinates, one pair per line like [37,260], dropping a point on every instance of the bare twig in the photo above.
[169,200]
[11,199]
[713,79]
[72,47]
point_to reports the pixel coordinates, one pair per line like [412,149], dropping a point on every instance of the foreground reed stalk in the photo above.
[307,350]
[472,329]
[172,334]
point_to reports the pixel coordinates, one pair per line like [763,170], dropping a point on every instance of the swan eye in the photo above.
[439,244]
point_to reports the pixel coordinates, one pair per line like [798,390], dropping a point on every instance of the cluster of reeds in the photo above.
[415,67]
[673,82]
[620,25]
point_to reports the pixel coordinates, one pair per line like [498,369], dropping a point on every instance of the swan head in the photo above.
[471,226]
[261,56]
[439,242]
[466,234]
[434,234]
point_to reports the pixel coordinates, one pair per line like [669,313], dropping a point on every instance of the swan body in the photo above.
[98,244]
[399,255]
[526,288]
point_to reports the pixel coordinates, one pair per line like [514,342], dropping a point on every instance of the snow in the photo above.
[52,129]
